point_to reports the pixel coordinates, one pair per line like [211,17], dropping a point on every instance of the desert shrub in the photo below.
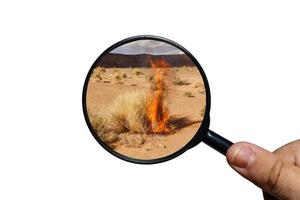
[98,77]
[138,72]
[101,69]
[188,94]
[178,81]
[126,114]
[97,73]
[198,85]
[99,123]
[117,76]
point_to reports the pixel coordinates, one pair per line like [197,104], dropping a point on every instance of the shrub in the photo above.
[97,73]
[138,72]
[178,81]
[188,94]
[99,122]
[126,114]
[117,77]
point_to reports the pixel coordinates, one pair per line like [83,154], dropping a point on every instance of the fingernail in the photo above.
[241,156]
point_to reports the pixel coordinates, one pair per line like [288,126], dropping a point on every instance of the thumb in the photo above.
[265,169]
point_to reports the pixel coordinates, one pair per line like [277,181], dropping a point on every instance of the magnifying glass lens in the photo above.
[145,99]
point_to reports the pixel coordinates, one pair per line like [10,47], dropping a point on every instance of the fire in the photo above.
[157,111]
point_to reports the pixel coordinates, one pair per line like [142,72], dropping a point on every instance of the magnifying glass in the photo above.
[146,100]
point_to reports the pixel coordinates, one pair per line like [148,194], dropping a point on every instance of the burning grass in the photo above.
[158,113]
[135,112]
[134,116]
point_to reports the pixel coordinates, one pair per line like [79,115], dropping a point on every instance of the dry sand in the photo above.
[102,93]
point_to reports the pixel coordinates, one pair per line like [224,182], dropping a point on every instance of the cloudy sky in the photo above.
[147,47]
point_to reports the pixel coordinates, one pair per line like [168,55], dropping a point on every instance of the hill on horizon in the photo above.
[142,60]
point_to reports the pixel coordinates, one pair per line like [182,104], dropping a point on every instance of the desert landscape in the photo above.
[145,106]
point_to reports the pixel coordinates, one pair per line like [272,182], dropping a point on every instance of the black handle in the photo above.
[217,142]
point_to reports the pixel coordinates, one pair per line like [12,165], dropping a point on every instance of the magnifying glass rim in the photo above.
[196,138]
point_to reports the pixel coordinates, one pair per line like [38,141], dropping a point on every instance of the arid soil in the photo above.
[185,99]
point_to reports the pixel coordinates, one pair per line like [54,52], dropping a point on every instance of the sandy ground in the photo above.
[101,93]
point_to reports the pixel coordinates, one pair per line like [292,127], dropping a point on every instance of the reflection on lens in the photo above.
[145,99]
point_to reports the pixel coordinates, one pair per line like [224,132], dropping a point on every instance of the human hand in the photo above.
[277,173]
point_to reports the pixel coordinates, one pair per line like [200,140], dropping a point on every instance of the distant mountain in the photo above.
[142,60]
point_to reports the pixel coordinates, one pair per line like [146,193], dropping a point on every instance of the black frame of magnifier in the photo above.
[203,134]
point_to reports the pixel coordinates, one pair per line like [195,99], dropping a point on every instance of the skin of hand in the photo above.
[277,173]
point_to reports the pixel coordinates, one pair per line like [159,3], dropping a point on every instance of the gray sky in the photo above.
[147,47]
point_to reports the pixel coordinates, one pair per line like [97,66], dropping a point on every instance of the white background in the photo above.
[249,51]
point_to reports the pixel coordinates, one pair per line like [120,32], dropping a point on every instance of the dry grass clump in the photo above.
[126,115]
[99,123]
[101,69]
[98,72]
[119,77]
[98,78]
[188,94]
[138,72]
[201,88]
[178,81]
[198,85]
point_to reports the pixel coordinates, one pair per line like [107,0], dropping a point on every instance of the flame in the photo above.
[157,111]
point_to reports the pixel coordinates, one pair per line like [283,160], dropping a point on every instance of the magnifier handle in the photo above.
[217,142]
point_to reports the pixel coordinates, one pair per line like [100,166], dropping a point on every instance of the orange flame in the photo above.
[157,111]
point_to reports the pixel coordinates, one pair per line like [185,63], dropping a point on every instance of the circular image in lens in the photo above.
[145,99]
